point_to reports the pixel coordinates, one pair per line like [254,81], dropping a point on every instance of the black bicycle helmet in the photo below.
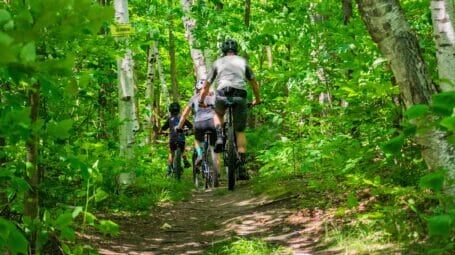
[198,85]
[229,45]
[174,108]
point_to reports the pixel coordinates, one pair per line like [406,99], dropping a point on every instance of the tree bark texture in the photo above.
[173,68]
[127,114]
[443,16]
[32,173]
[162,78]
[388,27]
[197,55]
[150,94]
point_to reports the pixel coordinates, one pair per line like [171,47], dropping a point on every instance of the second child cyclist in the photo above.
[232,72]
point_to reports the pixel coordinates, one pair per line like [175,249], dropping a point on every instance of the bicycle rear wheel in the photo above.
[231,157]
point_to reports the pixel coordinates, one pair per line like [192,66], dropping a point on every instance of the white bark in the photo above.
[200,68]
[161,75]
[389,29]
[150,93]
[443,16]
[127,116]
[269,57]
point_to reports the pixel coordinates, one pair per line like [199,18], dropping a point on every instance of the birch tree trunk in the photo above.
[127,116]
[32,173]
[162,77]
[388,27]
[150,94]
[199,63]
[443,16]
[175,88]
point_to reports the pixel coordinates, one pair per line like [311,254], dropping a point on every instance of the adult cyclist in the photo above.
[203,120]
[232,72]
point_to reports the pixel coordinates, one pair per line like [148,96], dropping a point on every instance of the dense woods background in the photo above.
[357,116]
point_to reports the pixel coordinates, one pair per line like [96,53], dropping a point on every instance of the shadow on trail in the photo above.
[214,217]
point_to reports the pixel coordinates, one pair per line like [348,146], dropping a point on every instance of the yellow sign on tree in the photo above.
[124,29]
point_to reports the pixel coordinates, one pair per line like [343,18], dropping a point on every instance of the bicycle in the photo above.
[177,169]
[230,154]
[208,166]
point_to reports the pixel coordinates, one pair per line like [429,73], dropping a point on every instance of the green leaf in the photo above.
[433,181]
[4,16]
[61,129]
[11,238]
[108,227]
[416,111]
[100,195]
[28,52]
[90,218]
[449,123]
[76,211]
[443,103]
[394,145]
[67,233]
[63,220]
[440,225]
[17,243]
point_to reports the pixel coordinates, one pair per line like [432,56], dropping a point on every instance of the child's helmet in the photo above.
[229,45]
[174,108]
[198,85]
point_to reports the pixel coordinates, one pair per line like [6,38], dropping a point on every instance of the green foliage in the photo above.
[12,239]
[242,246]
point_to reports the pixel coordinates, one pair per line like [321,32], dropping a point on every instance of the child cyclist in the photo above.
[203,121]
[176,139]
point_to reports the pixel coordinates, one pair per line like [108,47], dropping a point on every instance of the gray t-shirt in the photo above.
[202,113]
[231,71]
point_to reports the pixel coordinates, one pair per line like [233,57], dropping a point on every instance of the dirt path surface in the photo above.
[214,216]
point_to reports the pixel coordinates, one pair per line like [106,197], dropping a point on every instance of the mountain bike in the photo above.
[208,167]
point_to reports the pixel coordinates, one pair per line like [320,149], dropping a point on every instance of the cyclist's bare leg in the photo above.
[241,142]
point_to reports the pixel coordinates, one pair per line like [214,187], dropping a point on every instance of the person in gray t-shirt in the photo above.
[232,72]
[203,121]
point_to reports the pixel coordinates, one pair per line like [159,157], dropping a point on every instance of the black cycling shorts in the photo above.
[200,127]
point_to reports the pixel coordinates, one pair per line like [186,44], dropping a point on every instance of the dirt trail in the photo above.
[210,217]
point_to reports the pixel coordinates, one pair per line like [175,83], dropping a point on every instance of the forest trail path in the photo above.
[214,216]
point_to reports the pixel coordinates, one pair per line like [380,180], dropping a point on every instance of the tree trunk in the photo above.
[150,94]
[32,173]
[162,78]
[388,27]
[175,88]
[126,100]
[443,16]
[247,13]
[199,63]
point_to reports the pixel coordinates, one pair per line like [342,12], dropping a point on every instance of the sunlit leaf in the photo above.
[448,123]
[108,227]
